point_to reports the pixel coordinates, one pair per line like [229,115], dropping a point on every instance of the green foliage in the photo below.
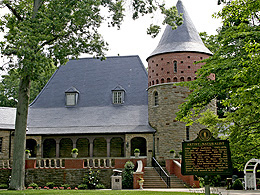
[74,150]
[237,185]
[82,186]
[3,186]
[235,65]
[65,186]
[100,186]
[127,180]
[34,185]
[214,181]
[91,179]
[50,185]
[136,150]
[27,151]
[172,151]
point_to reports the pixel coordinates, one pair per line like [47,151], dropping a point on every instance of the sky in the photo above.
[132,39]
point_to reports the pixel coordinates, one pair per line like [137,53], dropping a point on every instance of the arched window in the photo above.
[156,100]
[188,79]
[162,80]
[168,80]
[152,82]
[182,79]
[157,81]
[139,143]
[175,79]
[175,66]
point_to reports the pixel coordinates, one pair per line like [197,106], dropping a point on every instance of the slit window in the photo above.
[156,98]
[187,133]
[1,144]
[175,66]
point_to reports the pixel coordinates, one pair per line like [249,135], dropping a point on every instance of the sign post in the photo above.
[206,156]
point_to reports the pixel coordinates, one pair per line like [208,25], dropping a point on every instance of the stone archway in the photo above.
[83,147]
[66,146]
[99,147]
[31,145]
[49,148]
[140,143]
[117,147]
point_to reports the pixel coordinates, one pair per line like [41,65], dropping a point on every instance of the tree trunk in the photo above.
[18,167]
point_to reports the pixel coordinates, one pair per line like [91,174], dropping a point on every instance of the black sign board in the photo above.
[206,156]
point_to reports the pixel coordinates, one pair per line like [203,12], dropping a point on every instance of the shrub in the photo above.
[3,186]
[127,181]
[74,150]
[237,185]
[136,150]
[83,186]
[172,151]
[50,185]
[91,179]
[100,186]
[65,186]
[34,185]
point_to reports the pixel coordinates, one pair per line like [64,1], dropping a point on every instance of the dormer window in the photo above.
[72,95]
[118,95]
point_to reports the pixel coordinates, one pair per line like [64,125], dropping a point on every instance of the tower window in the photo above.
[175,66]
[168,80]
[152,82]
[162,80]
[188,56]
[118,97]
[1,144]
[188,66]
[161,68]
[156,98]
[161,58]
[156,64]
[182,79]
[187,133]
[157,81]
[175,79]
[188,79]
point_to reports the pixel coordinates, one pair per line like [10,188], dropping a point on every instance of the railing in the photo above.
[161,172]
[61,163]
[6,163]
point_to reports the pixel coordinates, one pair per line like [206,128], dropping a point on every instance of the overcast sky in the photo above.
[132,39]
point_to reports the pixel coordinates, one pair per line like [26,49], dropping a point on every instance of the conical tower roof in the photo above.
[184,39]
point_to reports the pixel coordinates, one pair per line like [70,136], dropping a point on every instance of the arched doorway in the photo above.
[49,148]
[31,145]
[83,147]
[100,147]
[117,147]
[66,146]
[140,143]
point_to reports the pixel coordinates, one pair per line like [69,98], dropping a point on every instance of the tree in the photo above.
[42,33]
[10,85]
[236,86]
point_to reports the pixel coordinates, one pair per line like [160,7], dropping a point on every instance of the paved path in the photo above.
[220,191]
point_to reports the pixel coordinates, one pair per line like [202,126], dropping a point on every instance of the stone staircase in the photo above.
[153,180]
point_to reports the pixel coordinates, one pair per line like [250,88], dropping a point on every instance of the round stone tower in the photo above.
[173,61]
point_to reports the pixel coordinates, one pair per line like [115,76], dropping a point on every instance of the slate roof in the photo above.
[184,39]
[94,80]
[7,118]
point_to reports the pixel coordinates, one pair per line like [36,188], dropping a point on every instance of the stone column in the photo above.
[91,147]
[74,140]
[108,146]
[57,148]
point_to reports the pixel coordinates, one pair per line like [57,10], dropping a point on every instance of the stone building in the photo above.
[108,108]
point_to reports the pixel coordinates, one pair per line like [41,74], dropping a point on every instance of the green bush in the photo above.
[82,186]
[34,185]
[50,185]
[237,185]
[127,181]
[100,186]
[3,186]
[65,186]
[91,179]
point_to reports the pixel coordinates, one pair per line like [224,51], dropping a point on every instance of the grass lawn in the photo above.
[95,192]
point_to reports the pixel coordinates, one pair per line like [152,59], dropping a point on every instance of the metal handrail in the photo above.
[166,178]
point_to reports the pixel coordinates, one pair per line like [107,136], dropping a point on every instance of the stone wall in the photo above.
[6,136]
[169,132]
[73,177]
